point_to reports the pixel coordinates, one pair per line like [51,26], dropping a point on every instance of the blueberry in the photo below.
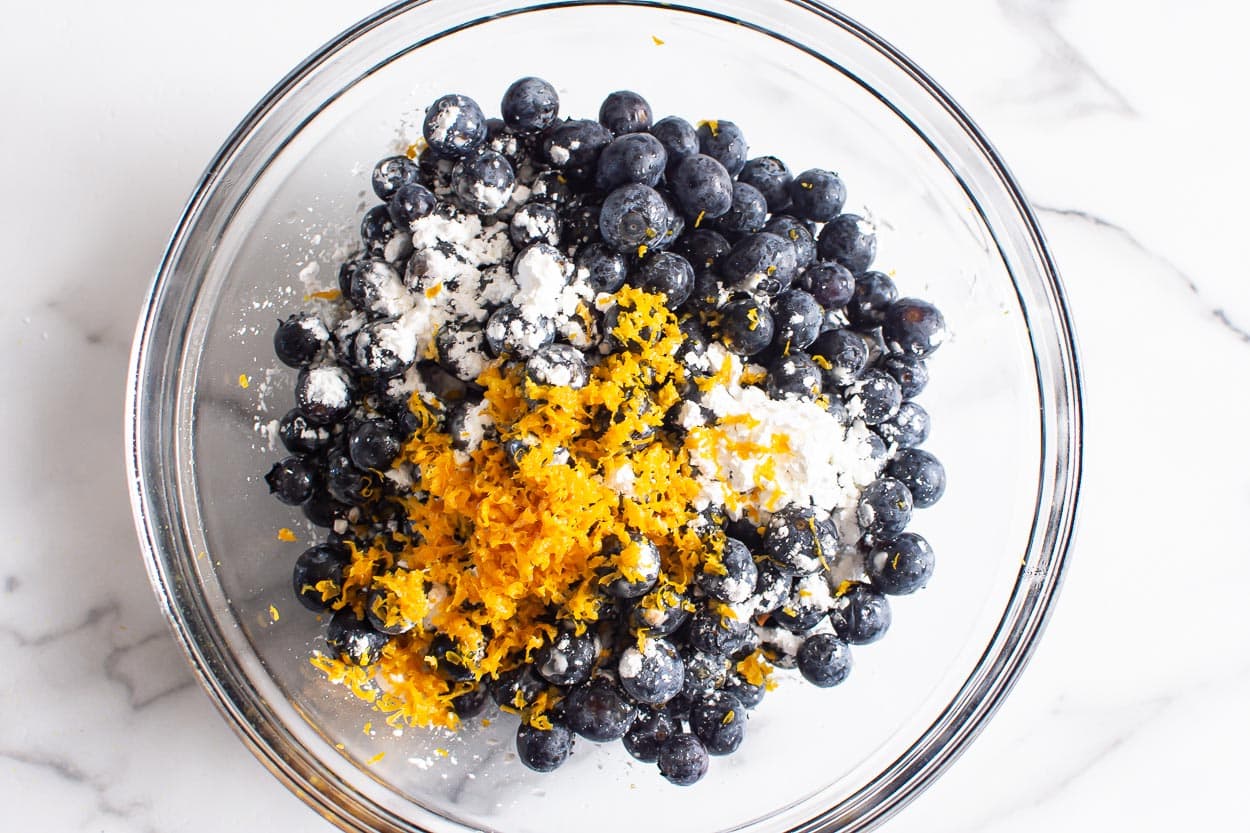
[717,635]
[633,216]
[518,687]
[323,510]
[850,240]
[449,659]
[900,566]
[353,640]
[346,483]
[509,333]
[746,215]
[483,181]
[599,711]
[724,142]
[706,296]
[381,237]
[912,327]
[530,104]
[517,147]
[799,235]
[650,730]
[574,147]
[551,187]
[606,269]
[921,473]
[794,376]
[884,508]
[824,660]
[704,672]
[760,261]
[382,611]
[797,317]
[580,217]
[772,588]
[535,222]
[651,674]
[633,157]
[393,173]
[299,436]
[567,660]
[831,284]
[454,126]
[875,397]
[377,289]
[558,365]
[702,188]
[383,349]
[543,750]
[323,565]
[772,178]
[874,293]
[460,348]
[299,339]
[435,170]
[720,722]
[845,353]
[683,759]
[347,272]
[907,428]
[625,112]
[409,204]
[678,137]
[324,395]
[733,579]
[817,195]
[746,326]
[748,694]
[798,542]
[659,613]
[910,372]
[860,615]
[703,247]
[634,580]
[470,703]
[667,274]
[374,444]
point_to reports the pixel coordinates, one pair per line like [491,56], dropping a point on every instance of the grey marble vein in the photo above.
[70,773]
[1064,71]
[1219,314]
[136,684]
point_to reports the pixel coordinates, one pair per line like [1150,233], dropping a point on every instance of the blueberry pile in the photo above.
[496,422]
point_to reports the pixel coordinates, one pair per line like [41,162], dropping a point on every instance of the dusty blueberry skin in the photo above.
[460,135]
[625,111]
[632,157]
[606,268]
[797,316]
[654,676]
[861,615]
[911,373]
[561,365]
[799,235]
[714,634]
[391,174]
[702,188]
[797,614]
[678,137]
[530,105]
[483,181]
[824,660]
[746,326]
[345,482]
[574,147]
[683,759]
[901,566]
[650,730]
[374,444]
[850,240]
[794,376]
[520,680]
[568,660]
[292,480]
[922,474]
[551,187]
[770,176]
[703,247]
[846,353]
[543,750]
[720,722]
[817,195]
[747,213]
[633,215]
[667,274]
[878,395]
[320,412]
[535,222]
[410,203]
[705,672]
[908,428]
[377,230]
[323,562]
[299,339]
[796,540]
[762,261]
[372,283]
[831,284]
[598,710]
[773,586]
[724,142]
[299,436]
[354,640]
[884,508]
[509,333]
[738,582]
[874,293]
[913,327]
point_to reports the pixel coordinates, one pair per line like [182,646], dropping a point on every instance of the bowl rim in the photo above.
[981,694]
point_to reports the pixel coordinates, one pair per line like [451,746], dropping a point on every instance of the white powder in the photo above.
[621,480]
[442,123]
[631,663]
[328,386]
[813,458]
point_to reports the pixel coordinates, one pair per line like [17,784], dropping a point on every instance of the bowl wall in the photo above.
[278,212]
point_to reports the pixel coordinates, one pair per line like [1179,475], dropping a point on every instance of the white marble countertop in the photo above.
[1125,124]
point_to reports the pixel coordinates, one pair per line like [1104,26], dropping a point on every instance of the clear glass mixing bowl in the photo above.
[805,84]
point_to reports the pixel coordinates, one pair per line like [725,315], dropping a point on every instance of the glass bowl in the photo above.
[269,219]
